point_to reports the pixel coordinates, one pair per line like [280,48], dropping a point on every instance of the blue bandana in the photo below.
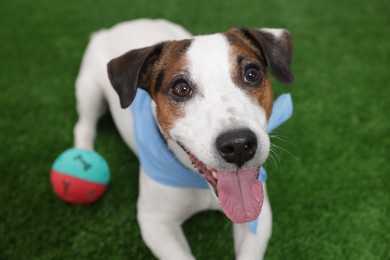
[159,162]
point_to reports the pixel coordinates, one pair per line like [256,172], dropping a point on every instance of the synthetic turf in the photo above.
[329,191]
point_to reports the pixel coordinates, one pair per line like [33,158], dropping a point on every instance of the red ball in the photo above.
[75,190]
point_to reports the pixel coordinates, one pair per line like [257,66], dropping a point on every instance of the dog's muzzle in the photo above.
[238,189]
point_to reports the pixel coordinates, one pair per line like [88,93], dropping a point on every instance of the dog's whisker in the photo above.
[274,158]
[280,135]
[274,153]
[285,150]
[278,138]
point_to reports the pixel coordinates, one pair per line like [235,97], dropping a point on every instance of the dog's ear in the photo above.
[132,70]
[276,47]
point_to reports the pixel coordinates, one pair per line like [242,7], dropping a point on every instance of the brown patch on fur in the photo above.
[242,45]
[170,65]
[243,53]
[266,97]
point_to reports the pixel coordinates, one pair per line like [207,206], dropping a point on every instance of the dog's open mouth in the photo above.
[239,192]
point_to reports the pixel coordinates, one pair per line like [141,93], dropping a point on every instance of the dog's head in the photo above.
[213,98]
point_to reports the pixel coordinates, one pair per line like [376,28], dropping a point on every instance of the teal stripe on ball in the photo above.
[83,164]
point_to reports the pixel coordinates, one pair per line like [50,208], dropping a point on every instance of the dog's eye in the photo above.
[181,89]
[252,74]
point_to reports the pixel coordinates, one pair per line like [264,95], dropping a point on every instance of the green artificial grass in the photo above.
[329,192]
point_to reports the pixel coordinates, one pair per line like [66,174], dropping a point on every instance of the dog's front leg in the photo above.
[161,211]
[164,238]
[251,240]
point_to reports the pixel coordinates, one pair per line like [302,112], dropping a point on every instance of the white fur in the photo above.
[275,32]
[162,209]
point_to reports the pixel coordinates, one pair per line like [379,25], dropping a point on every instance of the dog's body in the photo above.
[211,102]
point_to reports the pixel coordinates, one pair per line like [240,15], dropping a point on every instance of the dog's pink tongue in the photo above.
[240,194]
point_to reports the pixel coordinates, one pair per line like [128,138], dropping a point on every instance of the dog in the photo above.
[199,111]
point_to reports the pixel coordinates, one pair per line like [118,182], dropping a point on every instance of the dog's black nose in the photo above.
[237,146]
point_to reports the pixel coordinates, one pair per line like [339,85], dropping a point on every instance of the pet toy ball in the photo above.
[79,176]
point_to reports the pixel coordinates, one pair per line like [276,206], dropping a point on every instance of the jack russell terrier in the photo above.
[201,108]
